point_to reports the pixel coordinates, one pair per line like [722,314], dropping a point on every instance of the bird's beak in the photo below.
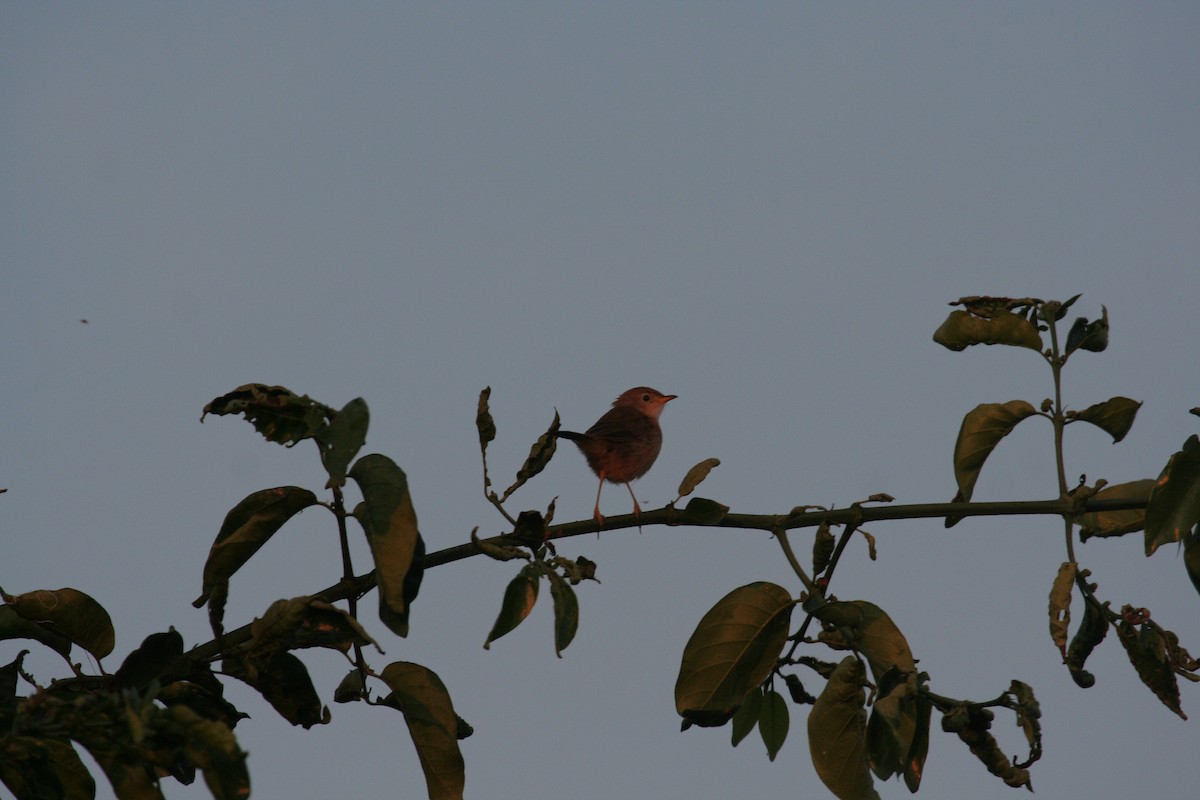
[666,398]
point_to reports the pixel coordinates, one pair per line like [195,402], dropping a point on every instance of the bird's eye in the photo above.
[645,398]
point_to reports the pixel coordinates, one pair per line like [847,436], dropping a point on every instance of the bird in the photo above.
[624,443]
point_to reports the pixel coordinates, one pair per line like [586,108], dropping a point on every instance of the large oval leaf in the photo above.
[421,696]
[1175,502]
[68,613]
[733,650]
[247,527]
[982,429]
[837,733]
[390,523]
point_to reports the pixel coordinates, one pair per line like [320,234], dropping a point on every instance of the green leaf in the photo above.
[745,719]
[210,746]
[773,722]
[1116,523]
[421,696]
[14,626]
[982,429]
[283,681]
[702,511]
[1114,416]
[342,438]
[1060,605]
[566,612]
[733,649]
[277,413]
[390,523]
[307,621]
[539,456]
[1175,502]
[518,601]
[963,329]
[1090,633]
[837,733]
[247,527]
[1086,335]
[1191,556]
[149,662]
[892,730]
[696,475]
[68,613]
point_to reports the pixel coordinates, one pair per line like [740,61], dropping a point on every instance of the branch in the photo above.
[358,586]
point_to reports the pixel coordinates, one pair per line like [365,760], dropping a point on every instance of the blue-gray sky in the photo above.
[762,208]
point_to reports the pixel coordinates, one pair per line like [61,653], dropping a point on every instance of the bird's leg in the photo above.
[637,510]
[596,512]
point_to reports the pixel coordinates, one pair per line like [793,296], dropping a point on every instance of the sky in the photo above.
[763,208]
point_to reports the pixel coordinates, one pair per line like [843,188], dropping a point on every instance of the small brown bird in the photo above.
[624,443]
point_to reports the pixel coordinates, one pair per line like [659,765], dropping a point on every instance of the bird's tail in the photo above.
[572,435]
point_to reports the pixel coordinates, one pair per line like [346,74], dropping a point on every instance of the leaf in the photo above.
[696,475]
[419,694]
[277,413]
[836,733]
[283,681]
[483,419]
[149,662]
[1114,416]
[390,523]
[68,613]
[518,601]
[1191,556]
[307,621]
[1029,714]
[982,429]
[1091,632]
[746,717]
[963,329]
[566,612]
[733,649]
[1116,523]
[45,768]
[247,527]
[702,511]
[1060,605]
[773,722]
[971,724]
[1147,652]
[1091,336]
[892,729]
[539,456]
[1175,502]
[340,440]
[14,626]
[210,746]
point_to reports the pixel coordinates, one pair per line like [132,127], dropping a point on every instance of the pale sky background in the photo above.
[762,208]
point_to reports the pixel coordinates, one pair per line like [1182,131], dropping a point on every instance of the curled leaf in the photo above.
[1086,335]
[982,429]
[1091,632]
[696,475]
[279,414]
[539,456]
[1060,605]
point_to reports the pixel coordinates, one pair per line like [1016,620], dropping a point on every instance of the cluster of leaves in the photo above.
[163,714]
